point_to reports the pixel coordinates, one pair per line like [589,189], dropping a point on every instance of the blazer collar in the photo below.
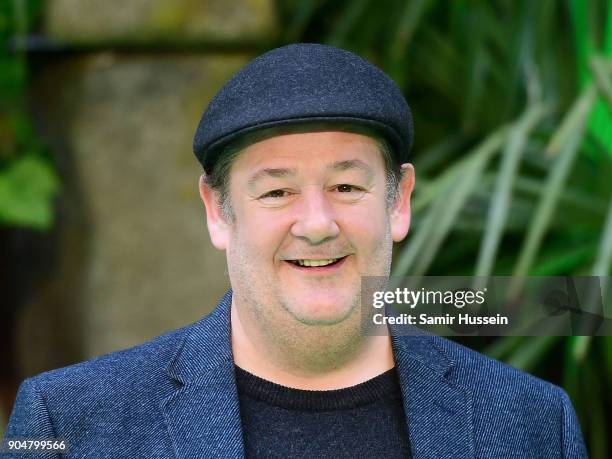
[438,412]
[203,413]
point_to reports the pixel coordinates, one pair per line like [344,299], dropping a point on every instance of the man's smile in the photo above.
[317,265]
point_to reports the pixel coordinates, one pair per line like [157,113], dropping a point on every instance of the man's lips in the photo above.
[318,269]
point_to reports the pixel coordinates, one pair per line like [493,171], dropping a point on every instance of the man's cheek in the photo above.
[370,227]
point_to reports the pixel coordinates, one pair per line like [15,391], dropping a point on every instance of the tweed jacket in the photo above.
[176,397]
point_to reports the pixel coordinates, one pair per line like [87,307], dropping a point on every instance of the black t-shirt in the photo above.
[362,421]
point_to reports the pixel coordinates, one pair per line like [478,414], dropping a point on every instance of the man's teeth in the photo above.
[316,262]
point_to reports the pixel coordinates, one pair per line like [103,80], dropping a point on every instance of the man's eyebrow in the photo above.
[269,172]
[348,164]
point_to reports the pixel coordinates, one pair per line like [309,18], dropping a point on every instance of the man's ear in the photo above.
[218,227]
[400,212]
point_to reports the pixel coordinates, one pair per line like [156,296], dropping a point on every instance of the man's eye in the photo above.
[345,192]
[274,194]
[346,188]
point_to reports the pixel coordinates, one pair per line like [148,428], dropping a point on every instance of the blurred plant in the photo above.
[513,116]
[27,179]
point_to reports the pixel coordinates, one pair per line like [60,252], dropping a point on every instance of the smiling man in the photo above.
[306,185]
[308,218]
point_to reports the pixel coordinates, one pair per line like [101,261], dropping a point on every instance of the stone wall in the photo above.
[134,257]
[172,21]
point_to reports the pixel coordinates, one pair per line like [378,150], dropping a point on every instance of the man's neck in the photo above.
[373,357]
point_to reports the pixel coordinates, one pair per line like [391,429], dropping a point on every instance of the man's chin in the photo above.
[321,314]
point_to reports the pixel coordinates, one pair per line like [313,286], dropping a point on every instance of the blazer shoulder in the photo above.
[114,389]
[506,396]
[482,372]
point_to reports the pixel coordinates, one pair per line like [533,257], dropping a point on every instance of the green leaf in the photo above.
[598,427]
[582,36]
[456,199]
[410,19]
[457,185]
[606,344]
[503,346]
[303,13]
[571,132]
[607,46]
[27,187]
[604,258]
[602,73]
[531,352]
[348,20]
[500,202]
[563,260]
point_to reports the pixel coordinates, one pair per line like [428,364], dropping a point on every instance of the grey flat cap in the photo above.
[299,84]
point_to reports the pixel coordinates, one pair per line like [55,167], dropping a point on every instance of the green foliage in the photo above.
[512,103]
[26,186]
[27,179]
[586,47]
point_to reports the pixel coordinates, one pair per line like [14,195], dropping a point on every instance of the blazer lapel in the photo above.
[203,413]
[438,414]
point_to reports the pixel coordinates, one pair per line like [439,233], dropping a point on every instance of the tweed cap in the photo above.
[299,84]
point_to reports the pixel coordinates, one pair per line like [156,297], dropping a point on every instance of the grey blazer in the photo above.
[175,396]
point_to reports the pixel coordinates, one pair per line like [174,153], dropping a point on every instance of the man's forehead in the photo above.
[335,166]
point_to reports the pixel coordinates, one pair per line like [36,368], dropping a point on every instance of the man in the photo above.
[306,187]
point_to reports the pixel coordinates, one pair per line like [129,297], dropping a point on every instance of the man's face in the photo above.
[311,218]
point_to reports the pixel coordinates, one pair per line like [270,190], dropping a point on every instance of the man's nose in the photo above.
[315,220]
